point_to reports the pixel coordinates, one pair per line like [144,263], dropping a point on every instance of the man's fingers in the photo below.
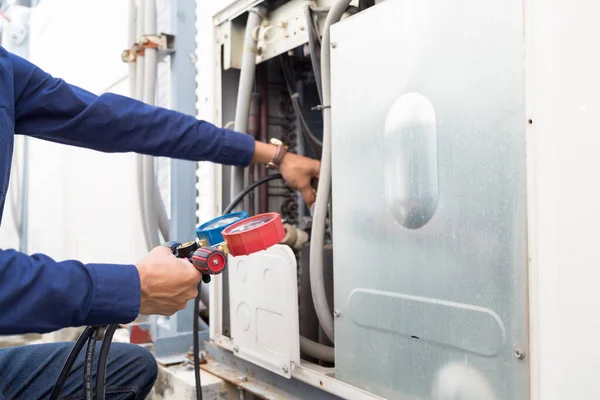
[309,194]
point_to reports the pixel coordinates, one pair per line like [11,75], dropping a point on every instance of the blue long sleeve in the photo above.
[50,109]
[38,294]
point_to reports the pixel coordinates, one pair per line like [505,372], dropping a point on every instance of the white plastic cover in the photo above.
[264,309]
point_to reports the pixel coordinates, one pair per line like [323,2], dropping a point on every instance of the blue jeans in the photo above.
[30,372]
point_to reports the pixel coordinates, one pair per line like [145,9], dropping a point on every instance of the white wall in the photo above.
[83,204]
[563,99]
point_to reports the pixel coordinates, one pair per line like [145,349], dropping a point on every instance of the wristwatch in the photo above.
[280,153]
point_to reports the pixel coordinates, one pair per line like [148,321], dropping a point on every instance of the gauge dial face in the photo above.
[251,224]
[222,222]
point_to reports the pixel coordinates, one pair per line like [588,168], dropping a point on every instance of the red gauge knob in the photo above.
[209,261]
[254,234]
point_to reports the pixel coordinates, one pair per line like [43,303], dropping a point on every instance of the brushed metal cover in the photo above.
[456,273]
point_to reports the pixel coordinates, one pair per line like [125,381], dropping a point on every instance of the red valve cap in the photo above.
[254,234]
[209,261]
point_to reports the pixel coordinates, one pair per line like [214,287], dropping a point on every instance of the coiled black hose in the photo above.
[197,345]
[102,360]
[88,366]
[66,370]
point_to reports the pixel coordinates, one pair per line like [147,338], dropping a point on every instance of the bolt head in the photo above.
[236,348]
[337,313]
[333,45]
[519,354]
[285,369]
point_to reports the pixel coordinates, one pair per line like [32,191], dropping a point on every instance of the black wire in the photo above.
[288,75]
[66,369]
[197,344]
[249,189]
[88,365]
[102,359]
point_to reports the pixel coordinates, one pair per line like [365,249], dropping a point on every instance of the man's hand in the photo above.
[299,173]
[167,282]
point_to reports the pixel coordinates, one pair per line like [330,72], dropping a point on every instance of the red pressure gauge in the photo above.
[254,234]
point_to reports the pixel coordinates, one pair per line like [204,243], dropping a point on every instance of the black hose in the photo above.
[102,360]
[88,365]
[249,189]
[197,345]
[66,369]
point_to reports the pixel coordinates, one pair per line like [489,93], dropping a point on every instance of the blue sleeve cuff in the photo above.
[237,146]
[117,294]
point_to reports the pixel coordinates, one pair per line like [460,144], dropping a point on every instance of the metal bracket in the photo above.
[164,43]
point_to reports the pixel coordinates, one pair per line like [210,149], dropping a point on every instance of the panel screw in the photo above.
[236,348]
[519,354]
[285,369]
[337,313]
[333,45]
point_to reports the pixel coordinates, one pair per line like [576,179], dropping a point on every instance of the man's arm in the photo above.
[51,109]
[41,295]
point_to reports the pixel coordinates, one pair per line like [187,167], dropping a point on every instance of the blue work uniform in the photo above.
[37,293]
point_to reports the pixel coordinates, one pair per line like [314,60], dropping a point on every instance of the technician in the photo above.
[39,294]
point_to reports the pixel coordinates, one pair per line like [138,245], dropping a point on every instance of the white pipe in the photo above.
[15,192]
[139,89]
[138,23]
[317,350]
[317,282]
[24,217]
[149,97]
[163,218]
[244,96]
[131,40]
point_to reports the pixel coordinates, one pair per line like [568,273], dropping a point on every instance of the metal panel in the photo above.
[283,29]
[429,200]
[310,381]
[264,309]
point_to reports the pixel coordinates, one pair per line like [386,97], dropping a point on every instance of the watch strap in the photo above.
[280,152]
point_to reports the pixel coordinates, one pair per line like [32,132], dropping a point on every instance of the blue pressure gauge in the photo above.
[211,230]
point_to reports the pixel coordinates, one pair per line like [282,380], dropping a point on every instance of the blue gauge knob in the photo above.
[211,230]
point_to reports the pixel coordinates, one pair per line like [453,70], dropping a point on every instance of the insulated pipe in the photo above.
[313,47]
[163,218]
[317,350]
[149,92]
[138,23]
[253,127]
[263,135]
[24,200]
[139,75]
[131,40]
[15,193]
[244,96]
[317,282]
